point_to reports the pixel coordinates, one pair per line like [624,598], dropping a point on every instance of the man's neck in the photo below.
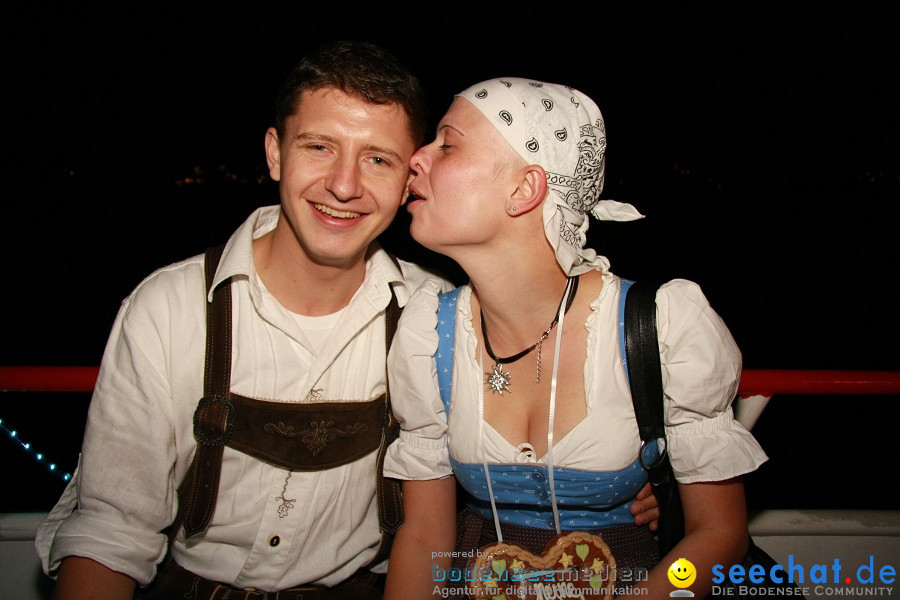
[298,283]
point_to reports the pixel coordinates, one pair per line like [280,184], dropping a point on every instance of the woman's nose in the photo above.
[420,161]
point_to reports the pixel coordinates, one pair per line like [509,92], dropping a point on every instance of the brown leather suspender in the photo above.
[215,412]
[387,490]
[216,425]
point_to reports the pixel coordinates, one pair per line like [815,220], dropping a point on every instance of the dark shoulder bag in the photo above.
[645,377]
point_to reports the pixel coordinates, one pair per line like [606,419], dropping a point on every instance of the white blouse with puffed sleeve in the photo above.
[701,370]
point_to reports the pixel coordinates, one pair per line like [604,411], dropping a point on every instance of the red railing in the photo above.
[48,379]
[768,382]
[762,382]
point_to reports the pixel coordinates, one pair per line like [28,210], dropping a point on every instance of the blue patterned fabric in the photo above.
[584,499]
[446,328]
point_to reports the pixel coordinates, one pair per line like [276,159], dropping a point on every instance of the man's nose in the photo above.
[344,180]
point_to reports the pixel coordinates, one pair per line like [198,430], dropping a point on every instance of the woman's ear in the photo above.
[530,193]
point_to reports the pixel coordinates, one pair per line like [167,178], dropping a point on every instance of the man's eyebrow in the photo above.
[312,137]
[305,135]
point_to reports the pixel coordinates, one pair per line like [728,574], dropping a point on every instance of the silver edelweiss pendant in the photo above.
[498,379]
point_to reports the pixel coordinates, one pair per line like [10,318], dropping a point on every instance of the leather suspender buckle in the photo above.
[213,421]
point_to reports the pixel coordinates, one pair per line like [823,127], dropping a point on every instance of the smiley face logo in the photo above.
[682,573]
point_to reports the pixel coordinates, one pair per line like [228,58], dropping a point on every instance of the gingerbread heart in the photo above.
[573,565]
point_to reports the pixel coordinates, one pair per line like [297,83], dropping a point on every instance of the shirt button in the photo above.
[274,540]
[538,476]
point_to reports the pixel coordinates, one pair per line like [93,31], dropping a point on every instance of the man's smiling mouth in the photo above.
[338,214]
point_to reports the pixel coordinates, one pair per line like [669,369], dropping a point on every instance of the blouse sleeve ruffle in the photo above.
[421,451]
[701,367]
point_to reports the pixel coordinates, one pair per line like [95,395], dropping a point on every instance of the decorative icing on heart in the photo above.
[498,565]
[573,565]
[582,551]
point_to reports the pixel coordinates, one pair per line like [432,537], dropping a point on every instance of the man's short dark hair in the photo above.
[360,69]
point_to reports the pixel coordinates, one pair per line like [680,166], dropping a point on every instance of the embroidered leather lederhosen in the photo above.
[295,436]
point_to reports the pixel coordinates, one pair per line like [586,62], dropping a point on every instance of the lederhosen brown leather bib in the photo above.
[294,436]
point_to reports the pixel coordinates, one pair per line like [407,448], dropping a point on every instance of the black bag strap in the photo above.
[645,377]
[642,351]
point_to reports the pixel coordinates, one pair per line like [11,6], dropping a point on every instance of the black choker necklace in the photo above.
[498,379]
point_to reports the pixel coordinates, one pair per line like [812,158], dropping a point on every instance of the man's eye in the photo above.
[444,147]
[381,161]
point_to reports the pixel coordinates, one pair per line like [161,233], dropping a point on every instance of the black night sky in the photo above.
[763,144]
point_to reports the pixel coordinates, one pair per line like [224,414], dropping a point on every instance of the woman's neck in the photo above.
[518,300]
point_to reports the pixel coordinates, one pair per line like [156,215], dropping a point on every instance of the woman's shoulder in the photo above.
[681,306]
[682,299]
[678,292]
[420,314]
[429,293]
[682,288]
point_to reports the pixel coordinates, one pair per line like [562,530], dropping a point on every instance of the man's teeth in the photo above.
[340,214]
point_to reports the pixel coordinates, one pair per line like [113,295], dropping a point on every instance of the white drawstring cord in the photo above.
[484,453]
[556,353]
[559,330]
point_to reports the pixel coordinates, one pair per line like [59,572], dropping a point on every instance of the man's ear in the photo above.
[409,179]
[530,193]
[273,153]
